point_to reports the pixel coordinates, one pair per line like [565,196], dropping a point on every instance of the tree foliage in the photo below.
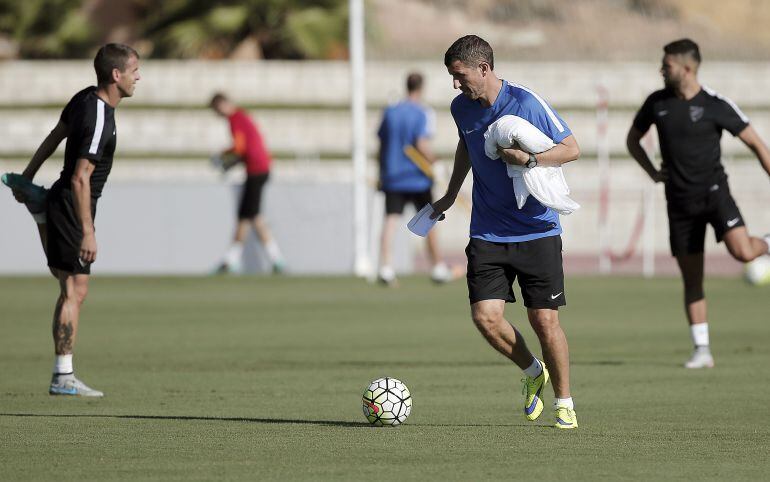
[289,29]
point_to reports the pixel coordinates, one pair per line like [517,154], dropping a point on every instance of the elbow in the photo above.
[575,153]
[630,143]
[79,182]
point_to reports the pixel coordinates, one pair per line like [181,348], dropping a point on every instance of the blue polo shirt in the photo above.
[402,125]
[495,216]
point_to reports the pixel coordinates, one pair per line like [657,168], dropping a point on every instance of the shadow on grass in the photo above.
[597,362]
[335,423]
[285,421]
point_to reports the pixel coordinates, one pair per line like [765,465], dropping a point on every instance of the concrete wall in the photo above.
[178,218]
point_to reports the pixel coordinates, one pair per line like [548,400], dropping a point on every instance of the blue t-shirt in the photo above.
[402,125]
[495,215]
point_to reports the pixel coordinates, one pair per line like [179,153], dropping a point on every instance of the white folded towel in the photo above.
[546,184]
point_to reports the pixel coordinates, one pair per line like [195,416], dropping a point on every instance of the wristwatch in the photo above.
[532,162]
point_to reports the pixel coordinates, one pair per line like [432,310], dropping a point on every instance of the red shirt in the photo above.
[248,143]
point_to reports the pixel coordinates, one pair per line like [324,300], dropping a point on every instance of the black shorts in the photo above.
[687,220]
[251,196]
[493,267]
[395,201]
[64,234]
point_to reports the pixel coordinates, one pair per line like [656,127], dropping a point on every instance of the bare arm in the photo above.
[640,155]
[81,189]
[460,170]
[423,146]
[752,140]
[565,151]
[46,149]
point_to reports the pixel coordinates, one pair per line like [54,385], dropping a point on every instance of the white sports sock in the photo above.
[234,254]
[273,251]
[535,369]
[700,334]
[63,364]
[564,402]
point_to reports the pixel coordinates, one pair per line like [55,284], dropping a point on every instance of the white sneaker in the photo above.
[701,358]
[441,273]
[387,276]
[69,385]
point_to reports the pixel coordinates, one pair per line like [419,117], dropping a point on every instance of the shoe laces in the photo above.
[526,383]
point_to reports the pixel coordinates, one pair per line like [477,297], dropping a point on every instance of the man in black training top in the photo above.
[690,119]
[65,214]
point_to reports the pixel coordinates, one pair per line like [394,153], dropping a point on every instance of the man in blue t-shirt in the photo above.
[406,175]
[507,242]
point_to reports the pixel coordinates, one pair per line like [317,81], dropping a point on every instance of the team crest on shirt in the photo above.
[696,113]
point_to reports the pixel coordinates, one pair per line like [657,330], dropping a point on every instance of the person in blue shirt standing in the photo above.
[506,242]
[406,175]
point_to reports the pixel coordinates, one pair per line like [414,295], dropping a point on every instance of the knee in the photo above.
[81,291]
[741,254]
[545,325]
[741,251]
[486,321]
[693,293]
[75,294]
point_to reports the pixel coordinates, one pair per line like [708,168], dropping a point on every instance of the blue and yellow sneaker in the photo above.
[34,195]
[533,391]
[565,418]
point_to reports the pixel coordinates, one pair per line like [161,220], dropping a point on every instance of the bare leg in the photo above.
[743,247]
[489,319]
[386,240]
[263,232]
[432,244]
[241,231]
[74,288]
[691,266]
[553,343]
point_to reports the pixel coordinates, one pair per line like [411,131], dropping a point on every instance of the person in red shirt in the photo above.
[248,148]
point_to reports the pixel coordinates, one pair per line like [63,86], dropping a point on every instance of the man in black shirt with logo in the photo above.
[690,119]
[66,214]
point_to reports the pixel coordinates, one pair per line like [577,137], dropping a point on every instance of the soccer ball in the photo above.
[757,272]
[387,401]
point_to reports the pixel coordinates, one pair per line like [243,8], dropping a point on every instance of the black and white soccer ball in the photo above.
[387,401]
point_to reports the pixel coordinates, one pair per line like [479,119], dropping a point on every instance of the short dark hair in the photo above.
[111,56]
[683,46]
[217,98]
[413,82]
[470,50]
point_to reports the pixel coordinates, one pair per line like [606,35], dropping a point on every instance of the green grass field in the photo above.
[261,379]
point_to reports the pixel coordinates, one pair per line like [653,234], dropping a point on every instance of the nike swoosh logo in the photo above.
[662,113]
[732,222]
[470,131]
[374,408]
[553,297]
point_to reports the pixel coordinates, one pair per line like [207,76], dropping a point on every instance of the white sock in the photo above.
[273,251]
[700,334]
[63,364]
[564,402]
[234,254]
[535,369]
[767,240]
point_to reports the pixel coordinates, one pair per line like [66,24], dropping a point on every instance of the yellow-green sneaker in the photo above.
[565,418]
[532,390]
